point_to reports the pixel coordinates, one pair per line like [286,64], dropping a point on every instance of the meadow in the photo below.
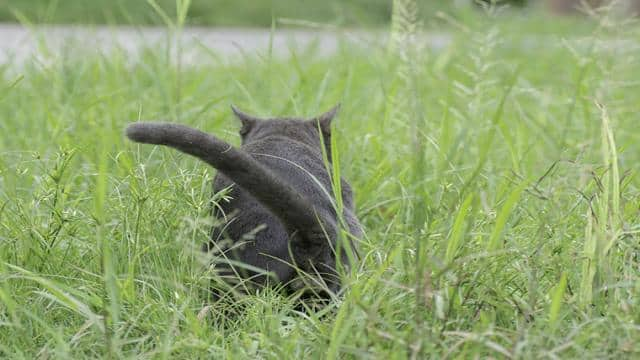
[496,179]
[261,14]
[201,12]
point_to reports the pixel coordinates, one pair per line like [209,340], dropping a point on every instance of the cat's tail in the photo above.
[295,211]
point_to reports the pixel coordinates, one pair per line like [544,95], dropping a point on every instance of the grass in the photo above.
[528,238]
[203,12]
[251,13]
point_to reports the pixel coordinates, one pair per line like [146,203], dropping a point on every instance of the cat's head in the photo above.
[307,131]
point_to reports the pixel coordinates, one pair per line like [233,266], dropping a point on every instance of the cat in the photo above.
[281,218]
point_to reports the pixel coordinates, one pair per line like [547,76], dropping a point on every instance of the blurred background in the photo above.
[252,13]
[482,166]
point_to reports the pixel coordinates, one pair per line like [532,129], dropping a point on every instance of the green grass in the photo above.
[528,203]
[203,12]
[252,13]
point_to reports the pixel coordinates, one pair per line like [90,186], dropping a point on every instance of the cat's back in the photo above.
[291,159]
[295,163]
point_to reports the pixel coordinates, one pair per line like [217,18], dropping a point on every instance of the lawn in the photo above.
[203,12]
[496,180]
[258,13]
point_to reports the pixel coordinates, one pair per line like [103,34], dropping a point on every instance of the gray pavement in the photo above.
[200,45]
[18,43]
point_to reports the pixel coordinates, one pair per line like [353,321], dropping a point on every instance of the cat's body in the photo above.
[281,215]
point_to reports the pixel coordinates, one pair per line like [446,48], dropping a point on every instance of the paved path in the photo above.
[18,43]
[201,45]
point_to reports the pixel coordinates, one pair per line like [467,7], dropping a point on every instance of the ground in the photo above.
[495,177]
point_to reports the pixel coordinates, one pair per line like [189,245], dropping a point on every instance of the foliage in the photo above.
[526,179]
[205,12]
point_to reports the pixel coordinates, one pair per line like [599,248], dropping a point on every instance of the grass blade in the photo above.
[494,243]
[453,244]
[556,300]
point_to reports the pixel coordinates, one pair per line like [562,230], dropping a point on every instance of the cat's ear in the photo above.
[247,120]
[325,119]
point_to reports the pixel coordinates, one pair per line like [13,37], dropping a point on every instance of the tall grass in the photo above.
[407,108]
[604,225]
[494,227]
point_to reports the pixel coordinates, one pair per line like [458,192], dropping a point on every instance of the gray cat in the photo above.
[281,216]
